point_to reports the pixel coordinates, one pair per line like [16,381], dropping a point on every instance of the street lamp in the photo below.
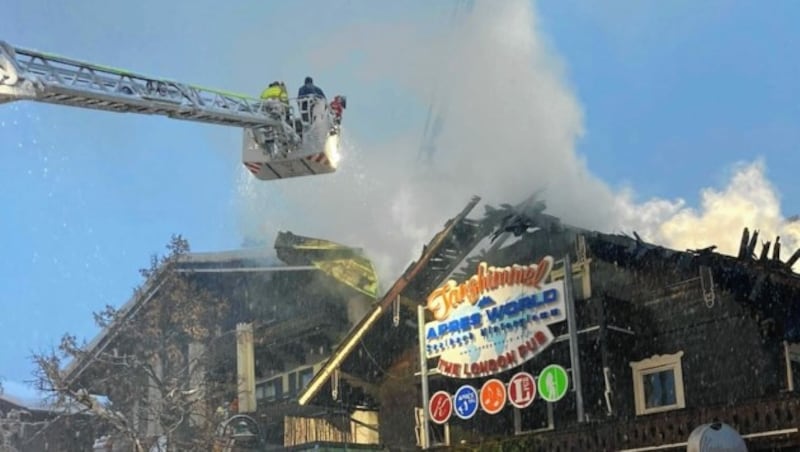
[240,432]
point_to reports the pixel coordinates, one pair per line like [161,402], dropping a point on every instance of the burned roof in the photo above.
[765,284]
[440,258]
[345,264]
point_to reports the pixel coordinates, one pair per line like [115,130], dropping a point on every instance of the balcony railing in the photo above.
[771,421]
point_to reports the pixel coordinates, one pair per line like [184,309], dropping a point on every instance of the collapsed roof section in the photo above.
[767,285]
[347,265]
[439,259]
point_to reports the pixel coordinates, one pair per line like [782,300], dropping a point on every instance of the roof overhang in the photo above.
[237,261]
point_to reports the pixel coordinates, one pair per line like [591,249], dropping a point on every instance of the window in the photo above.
[305,377]
[271,390]
[792,358]
[658,384]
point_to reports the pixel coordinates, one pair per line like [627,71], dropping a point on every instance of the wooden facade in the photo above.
[304,430]
[667,341]
[733,356]
[297,311]
[727,324]
[30,429]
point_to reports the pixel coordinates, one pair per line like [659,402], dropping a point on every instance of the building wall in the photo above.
[626,316]
[726,358]
[304,430]
[26,430]
[364,427]
[398,396]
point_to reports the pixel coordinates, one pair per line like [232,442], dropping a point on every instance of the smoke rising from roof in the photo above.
[510,128]
[749,199]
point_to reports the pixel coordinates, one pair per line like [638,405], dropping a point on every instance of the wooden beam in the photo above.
[355,335]
[370,388]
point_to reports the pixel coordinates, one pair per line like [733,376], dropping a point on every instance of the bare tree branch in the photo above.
[152,385]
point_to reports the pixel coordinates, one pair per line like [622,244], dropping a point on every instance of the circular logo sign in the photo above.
[440,407]
[493,396]
[521,390]
[466,402]
[553,383]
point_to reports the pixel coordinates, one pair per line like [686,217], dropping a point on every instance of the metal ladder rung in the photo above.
[162,100]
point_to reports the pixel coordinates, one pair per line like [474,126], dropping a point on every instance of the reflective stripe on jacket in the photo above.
[274,92]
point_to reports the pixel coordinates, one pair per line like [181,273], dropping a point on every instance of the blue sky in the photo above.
[673,94]
[674,90]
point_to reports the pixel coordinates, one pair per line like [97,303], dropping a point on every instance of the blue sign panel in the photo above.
[466,402]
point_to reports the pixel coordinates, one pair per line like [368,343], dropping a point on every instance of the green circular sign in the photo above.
[553,383]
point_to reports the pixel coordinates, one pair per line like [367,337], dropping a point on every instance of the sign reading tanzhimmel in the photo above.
[495,320]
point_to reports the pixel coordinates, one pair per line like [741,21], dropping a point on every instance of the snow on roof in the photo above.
[258,259]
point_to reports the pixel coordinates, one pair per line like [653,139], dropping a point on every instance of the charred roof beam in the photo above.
[792,260]
[357,333]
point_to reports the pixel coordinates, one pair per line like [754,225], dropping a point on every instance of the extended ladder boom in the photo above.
[37,76]
[277,143]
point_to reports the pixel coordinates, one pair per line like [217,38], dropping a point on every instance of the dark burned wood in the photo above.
[764,286]
[751,247]
[429,251]
[732,364]
[645,300]
[793,259]
[465,235]
[743,244]
[747,248]
[764,251]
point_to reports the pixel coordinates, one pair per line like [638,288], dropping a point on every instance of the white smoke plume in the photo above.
[511,128]
[749,199]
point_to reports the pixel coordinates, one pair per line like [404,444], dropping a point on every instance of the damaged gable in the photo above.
[767,286]
[764,285]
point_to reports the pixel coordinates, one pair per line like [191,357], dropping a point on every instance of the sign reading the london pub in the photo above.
[495,320]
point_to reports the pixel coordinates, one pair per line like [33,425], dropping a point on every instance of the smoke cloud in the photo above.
[749,199]
[511,122]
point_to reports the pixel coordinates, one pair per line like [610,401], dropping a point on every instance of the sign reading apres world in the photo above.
[495,320]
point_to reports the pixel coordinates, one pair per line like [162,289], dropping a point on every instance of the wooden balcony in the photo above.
[765,424]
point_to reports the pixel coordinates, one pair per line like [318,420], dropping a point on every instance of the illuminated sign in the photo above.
[553,383]
[440,407]
[495,320]
[466,402]
[521,390]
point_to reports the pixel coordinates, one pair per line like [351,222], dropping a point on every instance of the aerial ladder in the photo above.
[279,141]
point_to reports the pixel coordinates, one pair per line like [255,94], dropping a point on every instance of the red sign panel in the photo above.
[521,390]
[440,407]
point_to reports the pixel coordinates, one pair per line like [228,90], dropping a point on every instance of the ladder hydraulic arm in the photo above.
[42,77]
[277,144]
